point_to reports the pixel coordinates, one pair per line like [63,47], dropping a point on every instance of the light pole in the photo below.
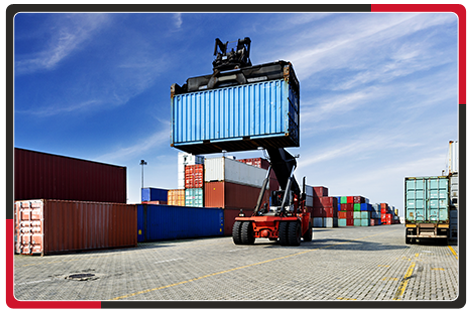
[142,172]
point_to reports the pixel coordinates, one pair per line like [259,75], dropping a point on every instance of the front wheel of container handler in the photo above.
[294,233]
[283,233]
[247,233]
[237,232]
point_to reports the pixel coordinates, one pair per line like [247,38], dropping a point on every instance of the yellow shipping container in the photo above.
[176,197]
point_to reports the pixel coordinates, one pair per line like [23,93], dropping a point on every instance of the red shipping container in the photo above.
[372,222]
[350,199]
[317,212]
[359,199]
[224,194]
[346,214]
[329,212]
[317,202]
[46,176]
[194,176]
[349,206]
[320,191]
[384,206]
[329,201]
[56,226]
[349,222]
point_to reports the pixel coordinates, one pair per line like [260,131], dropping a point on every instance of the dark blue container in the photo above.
[153,194]
[339,204]
[366,207]
[166,222]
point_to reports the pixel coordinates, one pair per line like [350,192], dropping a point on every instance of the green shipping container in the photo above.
[427,199]
[357,206]
[194,197]
[343,199]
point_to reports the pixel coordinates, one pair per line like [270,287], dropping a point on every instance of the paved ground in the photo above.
[353,263]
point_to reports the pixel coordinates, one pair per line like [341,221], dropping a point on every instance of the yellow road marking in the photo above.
[437,269]
[238,268]
[341,298]
[453,252]
[404,282]
[390,278]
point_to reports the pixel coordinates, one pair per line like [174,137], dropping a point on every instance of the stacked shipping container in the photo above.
[176,197]
[81,205]
[322,207]
[233,186]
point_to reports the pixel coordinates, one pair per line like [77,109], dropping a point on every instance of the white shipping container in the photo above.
[309,200]
[330,222]
[318,222]
[309,190]
[230,170]
[184,159]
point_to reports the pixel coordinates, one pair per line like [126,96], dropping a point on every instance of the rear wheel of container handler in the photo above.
[283,233]
[294,233]
[247,234]
[308,236]
[237,232]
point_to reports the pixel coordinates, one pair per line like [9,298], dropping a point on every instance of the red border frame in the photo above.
[459,10]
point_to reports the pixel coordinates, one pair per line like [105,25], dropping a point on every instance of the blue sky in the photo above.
[379,91]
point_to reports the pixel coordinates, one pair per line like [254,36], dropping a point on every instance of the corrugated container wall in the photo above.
[229,170]
[176,197]
[427,199]
[153,194]
[55,226]
[185,159]
[161,222]
[242,117]
[46,176]
[232,196]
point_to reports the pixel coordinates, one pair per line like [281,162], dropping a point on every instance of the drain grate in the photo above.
[82,277]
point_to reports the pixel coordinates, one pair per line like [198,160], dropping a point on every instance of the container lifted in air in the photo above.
[242,107]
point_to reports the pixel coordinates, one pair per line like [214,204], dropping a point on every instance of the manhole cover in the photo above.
[82,277]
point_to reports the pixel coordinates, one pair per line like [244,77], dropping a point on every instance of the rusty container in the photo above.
[56,226]
[320,191]
[46,176]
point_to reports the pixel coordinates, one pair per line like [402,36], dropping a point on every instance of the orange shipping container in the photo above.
[55,226]
[176,197]
[194,176]
[224,194]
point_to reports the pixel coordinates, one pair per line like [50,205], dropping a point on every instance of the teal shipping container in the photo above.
[427,199]
[194,197]
[342,222]
[168,222]
[260,112]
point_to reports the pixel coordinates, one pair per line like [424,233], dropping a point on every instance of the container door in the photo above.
[438,199]
[415,200]
[30,227]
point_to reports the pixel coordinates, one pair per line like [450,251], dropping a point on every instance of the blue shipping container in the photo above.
[164,222]
[236,118]
[153,194]
[366,207]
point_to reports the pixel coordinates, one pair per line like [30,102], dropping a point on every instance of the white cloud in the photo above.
[178,20]
[61,108]
[73,30]
[125,153]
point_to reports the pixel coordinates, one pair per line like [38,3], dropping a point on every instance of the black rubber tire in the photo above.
[283,233]
[237,232]
[247,234]
[294,233]
[308,236]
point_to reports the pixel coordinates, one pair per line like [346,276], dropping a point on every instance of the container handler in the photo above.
[286,219]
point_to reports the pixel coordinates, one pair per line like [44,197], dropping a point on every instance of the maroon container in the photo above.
[56,226]
[224,194]
[329,201]
[329,212]
[320,191]
[346,214]
[349,222]
[46,176]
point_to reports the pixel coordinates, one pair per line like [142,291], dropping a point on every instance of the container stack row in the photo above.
[65,204]
[323,208]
